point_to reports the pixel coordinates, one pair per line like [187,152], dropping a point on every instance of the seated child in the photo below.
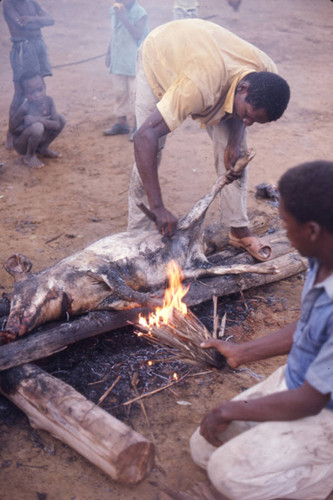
[36,123]
[275,440]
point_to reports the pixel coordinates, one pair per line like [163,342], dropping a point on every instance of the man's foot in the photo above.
[48,153]
[241,237]
[32,161]
[117,129]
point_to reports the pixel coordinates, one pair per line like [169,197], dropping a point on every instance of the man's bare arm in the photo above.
[146,150]
[233,151]
[268,346]
[16,118]
[17,20]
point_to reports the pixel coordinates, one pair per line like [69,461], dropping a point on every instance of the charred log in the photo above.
[54,406]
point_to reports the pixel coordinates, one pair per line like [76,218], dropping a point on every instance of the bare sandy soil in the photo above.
[48,214]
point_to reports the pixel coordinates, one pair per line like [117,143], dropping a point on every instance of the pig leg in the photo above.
[120,288]
[197,213]
[264,268]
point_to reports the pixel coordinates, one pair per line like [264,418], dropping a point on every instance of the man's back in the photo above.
[203,63]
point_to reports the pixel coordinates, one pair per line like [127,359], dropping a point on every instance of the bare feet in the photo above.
[48,153]
[32,161]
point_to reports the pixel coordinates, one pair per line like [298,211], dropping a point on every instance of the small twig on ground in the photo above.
[245,304]
[222,326]
[101,380]
[106,393]
[54,238]
[216,317]
[134,383]
[146,394]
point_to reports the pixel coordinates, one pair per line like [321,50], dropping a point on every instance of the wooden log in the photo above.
[54,406]
[289,264]
[49,340]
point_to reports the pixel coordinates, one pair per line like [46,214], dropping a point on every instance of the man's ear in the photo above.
[243,87]
[314,230]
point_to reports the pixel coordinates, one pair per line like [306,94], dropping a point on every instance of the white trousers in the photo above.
[233,197]
[265,461]
[123,94]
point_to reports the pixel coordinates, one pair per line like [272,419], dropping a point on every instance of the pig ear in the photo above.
[18,265]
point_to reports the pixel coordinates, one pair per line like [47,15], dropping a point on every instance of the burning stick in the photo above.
[177,328]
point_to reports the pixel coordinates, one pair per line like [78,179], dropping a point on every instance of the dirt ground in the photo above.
[49,213]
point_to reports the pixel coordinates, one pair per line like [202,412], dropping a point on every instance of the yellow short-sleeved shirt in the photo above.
[194,67]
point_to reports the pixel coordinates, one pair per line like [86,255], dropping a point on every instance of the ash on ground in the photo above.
[123,358]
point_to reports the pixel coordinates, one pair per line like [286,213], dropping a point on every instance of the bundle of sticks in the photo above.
[183,334]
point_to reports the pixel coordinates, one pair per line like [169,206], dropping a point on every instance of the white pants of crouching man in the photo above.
[233,196]
[123,94]
[264,461]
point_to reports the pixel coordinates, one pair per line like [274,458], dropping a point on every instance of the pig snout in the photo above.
[34,307]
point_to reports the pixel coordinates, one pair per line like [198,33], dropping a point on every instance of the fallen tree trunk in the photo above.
[50,340]
[54,406]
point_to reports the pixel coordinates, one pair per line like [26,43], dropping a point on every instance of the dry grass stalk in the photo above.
[184,334]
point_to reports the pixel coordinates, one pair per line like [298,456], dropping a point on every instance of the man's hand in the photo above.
[228,350]
[166,222]
[24,20]
[212,425]
[121,11]
[231,155]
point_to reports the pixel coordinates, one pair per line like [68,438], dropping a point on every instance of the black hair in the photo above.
[307,190]
[28,75]
[269,91]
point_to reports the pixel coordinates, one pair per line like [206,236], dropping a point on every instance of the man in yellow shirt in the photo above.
[199,69]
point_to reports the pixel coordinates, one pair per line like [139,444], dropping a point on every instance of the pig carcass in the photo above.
[119,272]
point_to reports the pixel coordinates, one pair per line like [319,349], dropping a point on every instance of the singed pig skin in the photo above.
[115,272]
[121,271]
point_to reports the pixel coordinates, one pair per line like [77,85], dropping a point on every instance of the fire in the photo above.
[172,298]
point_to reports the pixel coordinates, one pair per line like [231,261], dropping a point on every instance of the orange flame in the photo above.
[172,298]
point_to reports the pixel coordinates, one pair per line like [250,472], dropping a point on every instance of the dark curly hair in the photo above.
[269,91]
[307,190]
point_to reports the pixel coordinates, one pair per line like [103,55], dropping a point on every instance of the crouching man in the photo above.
[275,440]
[36,123]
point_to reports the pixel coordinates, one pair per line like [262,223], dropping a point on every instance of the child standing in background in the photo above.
[129,27]
[183,9]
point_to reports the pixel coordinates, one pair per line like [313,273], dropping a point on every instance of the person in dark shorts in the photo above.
[25,18]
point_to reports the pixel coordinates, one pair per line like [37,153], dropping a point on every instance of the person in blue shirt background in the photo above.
[275,440]
[129,27]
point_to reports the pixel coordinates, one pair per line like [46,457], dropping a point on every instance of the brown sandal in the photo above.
[252,244]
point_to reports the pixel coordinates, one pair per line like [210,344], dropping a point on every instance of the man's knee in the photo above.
[201,450]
